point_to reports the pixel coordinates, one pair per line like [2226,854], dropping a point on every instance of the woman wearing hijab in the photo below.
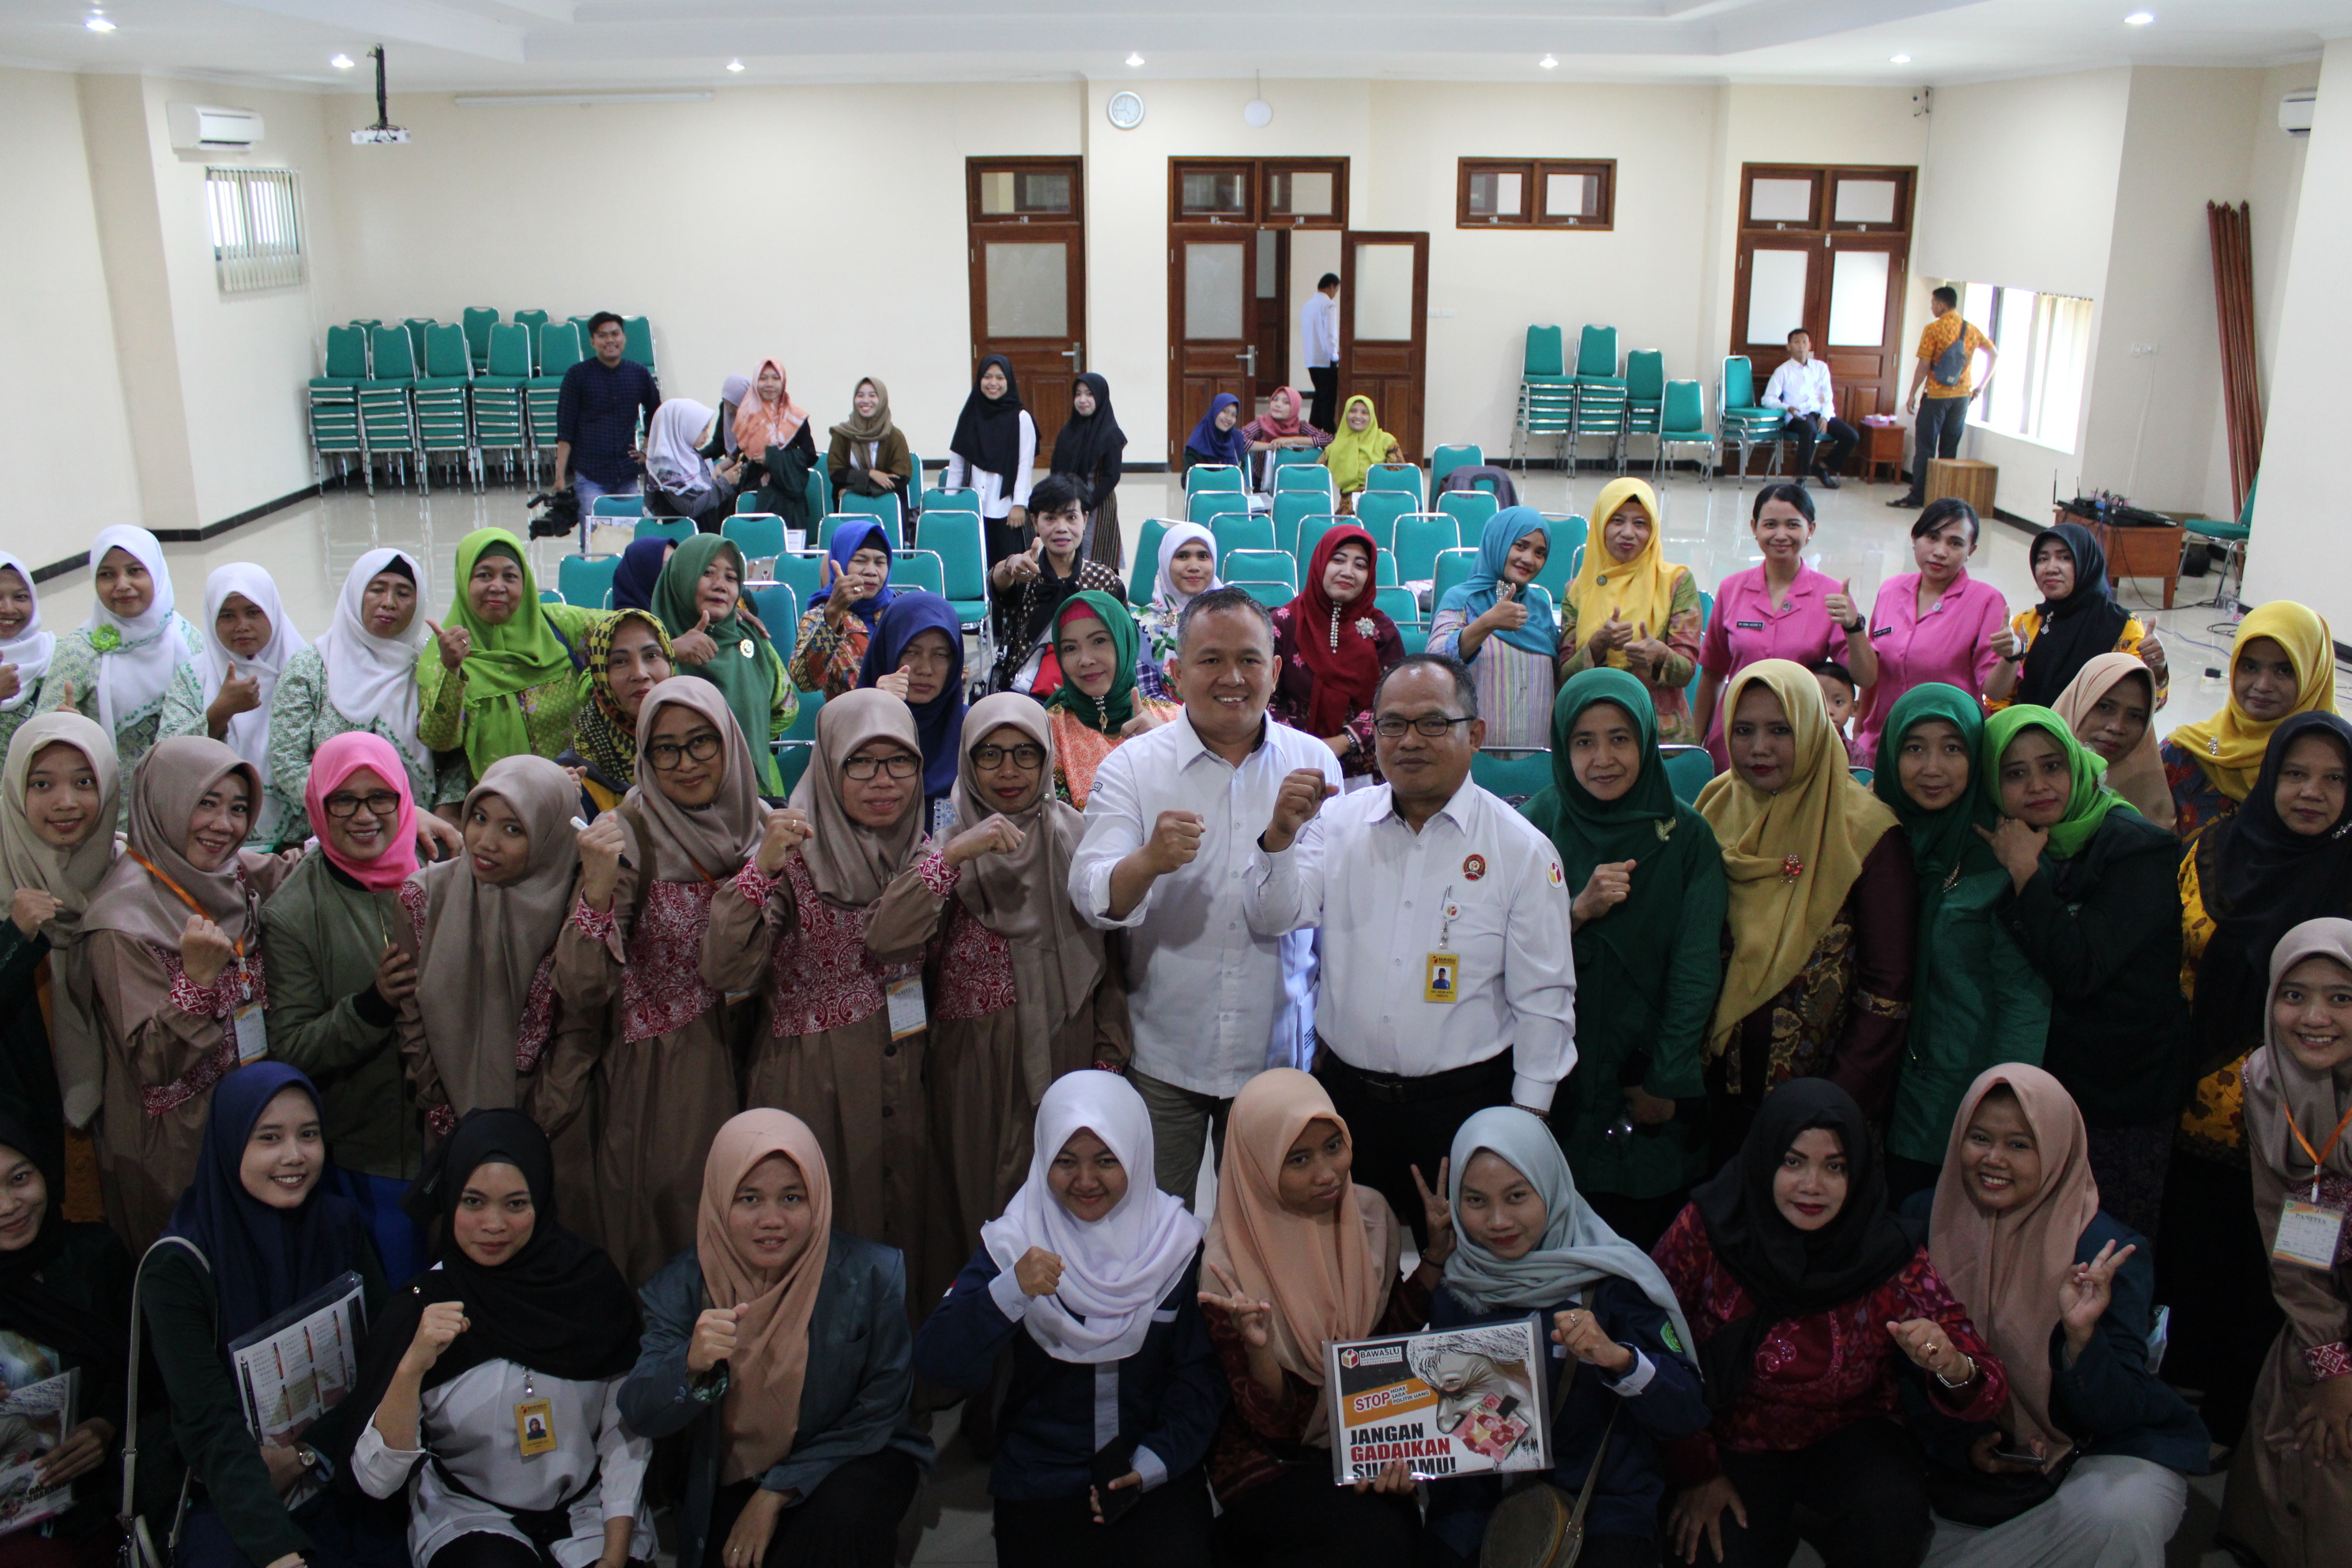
[1824,906]
[917,655]
[1297,1255]
[993,451]
[1282,424]
[830,645]
[843,1046]
[338,981]
[1631,608]
[1092,1277]
[65,1307]
[628,656]
[1188,568]
[247,641]
[1647,922]
[1331,646]
[713,635]
[133,666]
[1529,1242]
[1358,445]
[680,481]
[2281,663]
[256,1232]
[177,979]
[1505,628]
[631,952]
[2093,905]
[1091,448]
[492,1383]
[2044,648]
[2290,1498]
[2282,858]
[1101,701]
[1031,588]
[1817,1316]
[1975,1000]
[640,569]
[25,650]
[781,1345]
[1217,438]
[502,677]
[360,675]
[2064,1294]
[731,394]
[869,456]
[1021,991]
[772,436]
[2112,706]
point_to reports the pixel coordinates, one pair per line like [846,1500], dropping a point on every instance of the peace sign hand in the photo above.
[1436,1213]
[2085,1293]
[1252,1319]
[456,643]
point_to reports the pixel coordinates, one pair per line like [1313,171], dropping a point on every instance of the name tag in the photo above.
[535,1428]
[1443,980]
[1882,631]
[1749,625]
[907,1015]
[2308,1234]
[252,1035]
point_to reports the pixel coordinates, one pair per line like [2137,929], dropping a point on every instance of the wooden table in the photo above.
[2138,551]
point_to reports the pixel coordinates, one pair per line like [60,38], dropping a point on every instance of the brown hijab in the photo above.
[71,877]
[2277,1084]
[712,840]
[1023,897]
[851,863]
[2005,1268]
[483,944]
[164,789]
[2139,777]
[761,1413]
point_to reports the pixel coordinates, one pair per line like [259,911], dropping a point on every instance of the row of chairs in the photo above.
[1618,400]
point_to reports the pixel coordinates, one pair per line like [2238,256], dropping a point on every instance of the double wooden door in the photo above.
[1827,250]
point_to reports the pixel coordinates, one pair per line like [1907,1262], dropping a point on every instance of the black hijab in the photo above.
[1088,441]
[988,433]
[2260,879]
[68,1288]
[2075,629]
[1789,1272]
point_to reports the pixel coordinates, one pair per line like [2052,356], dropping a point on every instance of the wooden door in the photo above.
[1270,298]
[1827,250]
[1212,344]
[1861,322]
[1027,252]
[1384,328]
[1778,291]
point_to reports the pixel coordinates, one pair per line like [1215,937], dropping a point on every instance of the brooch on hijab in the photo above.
[106,639]
[1791,868]
[1363,626]
[2212,745]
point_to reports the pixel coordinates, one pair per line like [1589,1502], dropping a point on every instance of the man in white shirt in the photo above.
[1801,386]
[1171,827]
[1319,330]
[1448,985]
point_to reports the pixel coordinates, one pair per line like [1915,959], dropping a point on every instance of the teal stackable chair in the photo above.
[498,393]
[1384,570]
[334,402]
[1447,573]
[1706,617]
[748,501]
[819,492]
[2231,536]
[1547,393]
[821,531]
[793,757]
[586,580]
[1292,508]
[1273,595]
[387,409]
[640,344]
[1445,460]
[919,570]
[1567,548]
[803,724]
[627,506]
[803,575]
[886,507]
[475,321]
[1376,512]
[1515,778]
[1688,769]
[534,322]
[678,528]
[1144,575]
[1244,567]
[779,609]
[1741,423]
[552,596]
[954,537]
[1683,423]
[559,351]
[1599,392]
[1205,506]
[1404,477]
[443,425]
[1645,396]
[758,534]
[416,327]
[1311,530]
[1399,605]
[1420,536]
[1470,510]
[1213,476]
[1240,531]
[1311,477]
[960,498]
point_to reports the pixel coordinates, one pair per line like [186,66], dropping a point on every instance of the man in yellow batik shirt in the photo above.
[1948,353]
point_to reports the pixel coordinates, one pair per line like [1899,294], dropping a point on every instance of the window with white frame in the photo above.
[256,227]
[2045,357]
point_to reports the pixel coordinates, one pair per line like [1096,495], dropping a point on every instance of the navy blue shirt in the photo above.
[597,413]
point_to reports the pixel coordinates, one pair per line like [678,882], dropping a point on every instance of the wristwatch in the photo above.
[308,1458]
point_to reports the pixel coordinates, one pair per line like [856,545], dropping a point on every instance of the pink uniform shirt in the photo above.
[1951,643]
[1746,626]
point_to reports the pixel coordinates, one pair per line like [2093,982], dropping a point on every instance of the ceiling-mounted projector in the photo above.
[383,130]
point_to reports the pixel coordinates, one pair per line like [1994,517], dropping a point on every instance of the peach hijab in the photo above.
[2139,777]
[761,1415]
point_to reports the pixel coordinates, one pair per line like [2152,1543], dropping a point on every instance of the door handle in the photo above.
[1250,354]
[1075,354]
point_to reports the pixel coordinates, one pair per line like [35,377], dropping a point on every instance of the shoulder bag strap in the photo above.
[1575,1529]
[128,1518]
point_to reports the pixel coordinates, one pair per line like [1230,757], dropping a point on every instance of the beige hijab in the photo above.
[483,944]
[2277,1084]
[2139,777]
[72,877]
[170,780]
[2005,1268]
[1792,856]
[712,841]
[850,863]
[761,1415]
[1023,897]
[1329,1278]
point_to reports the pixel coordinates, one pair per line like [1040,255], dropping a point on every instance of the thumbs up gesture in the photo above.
[456,643]
[1507,613]
[9,684]
[1841,609]
[1611,634]
[696,646]
[66,702]
[237,694]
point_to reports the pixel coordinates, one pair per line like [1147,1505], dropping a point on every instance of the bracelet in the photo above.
[1963,1383]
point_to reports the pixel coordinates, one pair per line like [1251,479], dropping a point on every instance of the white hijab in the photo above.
[29,651]
[132,675]
[248,732]
[672,455]
[1165,595]
[370,679]
[1116,1270]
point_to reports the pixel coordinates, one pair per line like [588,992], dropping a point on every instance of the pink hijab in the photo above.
[333,763]
[1294,426]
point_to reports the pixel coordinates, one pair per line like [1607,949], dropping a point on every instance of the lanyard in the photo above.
[2318,1156]
[155,872]
[1445,911]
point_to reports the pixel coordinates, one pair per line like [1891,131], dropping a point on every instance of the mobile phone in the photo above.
[1110,1463]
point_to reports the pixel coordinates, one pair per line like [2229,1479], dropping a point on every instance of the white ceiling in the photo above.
[555,45]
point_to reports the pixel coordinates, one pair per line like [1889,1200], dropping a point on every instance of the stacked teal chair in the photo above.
[1469,509]
[417,327]
[534,322]
[1601,391]
[478,320]
[1683,423]
[1547,394]
[640,346]
[442,427]
[1239,530]
[387,416]
[1742,424]
[559,351]
[1452,568]
[953,535]
[497,395]
[1445,460]
[1645,396]
[335,403]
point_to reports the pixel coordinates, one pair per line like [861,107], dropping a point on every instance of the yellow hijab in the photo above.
[2229,746]
[1350,457]
[1792,856]
[1642,591]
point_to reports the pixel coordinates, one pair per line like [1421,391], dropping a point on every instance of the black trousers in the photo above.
[1326,402]
[1942,421]
[2215,1273]
[850,1520]
[1399,1124]
[1300,1520]
[1859,1495]
[1171,1528]
[1842,439]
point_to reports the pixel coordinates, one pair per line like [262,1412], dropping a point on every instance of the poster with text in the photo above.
[1450,1401]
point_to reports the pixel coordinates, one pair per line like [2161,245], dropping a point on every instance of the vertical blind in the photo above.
[256,227]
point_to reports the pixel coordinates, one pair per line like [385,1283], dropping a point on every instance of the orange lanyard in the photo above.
[238,942]
[2318,1156]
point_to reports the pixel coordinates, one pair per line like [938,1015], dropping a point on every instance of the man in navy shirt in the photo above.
[596,416]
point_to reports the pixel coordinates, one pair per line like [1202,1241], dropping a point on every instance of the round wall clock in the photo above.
[1125,110]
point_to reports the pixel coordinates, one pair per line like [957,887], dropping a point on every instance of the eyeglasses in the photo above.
[897,765]
[669,755]
[1028,758]
[1429,724]
[383,803]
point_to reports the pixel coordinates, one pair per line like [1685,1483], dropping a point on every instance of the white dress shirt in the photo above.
[1802,388]
[1478,881]
[1318,328]
[1213,1002]
[993,499]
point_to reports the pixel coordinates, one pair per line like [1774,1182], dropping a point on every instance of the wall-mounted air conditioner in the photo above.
[213,130]
[2295,110]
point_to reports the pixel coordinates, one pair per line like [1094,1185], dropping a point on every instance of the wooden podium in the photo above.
[1966,479]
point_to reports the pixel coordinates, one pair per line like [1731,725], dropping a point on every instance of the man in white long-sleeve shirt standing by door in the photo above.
[1319,332]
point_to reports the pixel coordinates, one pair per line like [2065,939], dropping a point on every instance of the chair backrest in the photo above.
[1446,574]
[1738,385]
[1203,507]
[779,608]
[1384,570]
[1403,476]
[618,506]
[1445,460]
[1645,375]
[1311,530]
[803,724]
[757,533]
[1688,769]
[1546,354]
[509,350]
[416,327]
[446,352]
[1515,778]
[558,348]
[1684,410]
[886,507]
[1596,352]
[1144,575]
[1212,477]
[640,344]
[819,494]
[1240,531]
[953,536]
[1248,566]
[1310,476]
[678,528]
[347,354]
[957,500]
[801,573]
[820,532]
[1292,508]
[586,579]
[1377,511]
[1273,595]
[1566,543]
[748,501]
[1398,605]
[1420,535]
[551,596]
[1469,509]
[918,569]
[478,320]
[1296,457]
[392,354]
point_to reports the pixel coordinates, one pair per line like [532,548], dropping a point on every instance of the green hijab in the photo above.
[1945,844]
[2089,801]
[508,659]
[742,669]
[1109,712]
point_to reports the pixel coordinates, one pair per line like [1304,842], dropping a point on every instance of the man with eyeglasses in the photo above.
[1447,986]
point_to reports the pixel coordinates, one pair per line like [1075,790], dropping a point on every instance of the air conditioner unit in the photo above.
[214,130]
[2295,110]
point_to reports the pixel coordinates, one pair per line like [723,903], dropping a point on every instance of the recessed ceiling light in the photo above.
[1899,59]
[98,23]
[734,65]
[1134,58]
[1547,62]
[341,62]
[2139,18]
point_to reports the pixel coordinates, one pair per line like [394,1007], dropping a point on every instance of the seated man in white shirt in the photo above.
[1448,982]
[1171,827]
[1801,386]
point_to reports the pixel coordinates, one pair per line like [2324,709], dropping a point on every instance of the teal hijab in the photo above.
[743,670]
[1475,593]
[2088,800]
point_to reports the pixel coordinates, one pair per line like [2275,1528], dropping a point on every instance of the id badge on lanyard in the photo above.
[2310,1233]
